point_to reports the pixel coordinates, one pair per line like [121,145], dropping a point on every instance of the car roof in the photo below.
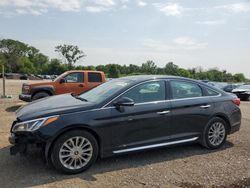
[139,78]
[84,71]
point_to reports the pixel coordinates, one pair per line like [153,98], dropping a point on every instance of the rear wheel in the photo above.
[40,95]
[74,152]
[215,133]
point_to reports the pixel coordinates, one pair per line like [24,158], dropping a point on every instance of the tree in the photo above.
[102,68]
[26,66]
[184,73]
[55,66]
[113,71]
[239,77]
[149,67]
[133,69]
[15,54]
[171,69]
[70,53]
[13,50]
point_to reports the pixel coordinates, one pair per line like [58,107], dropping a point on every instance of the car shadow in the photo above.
[30,170]
[13,108]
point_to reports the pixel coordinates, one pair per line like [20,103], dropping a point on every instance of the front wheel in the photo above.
[215,133]
[74,152]
[40,95]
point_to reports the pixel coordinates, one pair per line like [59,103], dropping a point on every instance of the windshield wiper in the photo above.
[77,97]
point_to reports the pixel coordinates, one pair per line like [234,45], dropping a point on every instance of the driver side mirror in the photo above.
[124,101]
[62,80]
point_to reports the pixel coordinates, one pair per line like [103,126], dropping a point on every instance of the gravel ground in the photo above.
[180,166]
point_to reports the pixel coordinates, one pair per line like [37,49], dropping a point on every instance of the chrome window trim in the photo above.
[106,107]
[219,94]
[155,145]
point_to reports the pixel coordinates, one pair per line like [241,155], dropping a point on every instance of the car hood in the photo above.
[240,90]
[55,105]
[40,83]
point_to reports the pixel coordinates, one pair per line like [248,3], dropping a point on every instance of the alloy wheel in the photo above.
[216,133]
[75,153]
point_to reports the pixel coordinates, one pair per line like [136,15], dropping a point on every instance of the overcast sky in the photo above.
[190,33]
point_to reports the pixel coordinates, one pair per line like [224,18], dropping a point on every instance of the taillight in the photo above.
[236,101]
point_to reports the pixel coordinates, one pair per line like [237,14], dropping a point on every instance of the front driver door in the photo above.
[74,83]
[145,123]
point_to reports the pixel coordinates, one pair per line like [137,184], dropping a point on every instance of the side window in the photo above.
[74,78]
[94,77]
[209,92]
[181,89]
[147,92]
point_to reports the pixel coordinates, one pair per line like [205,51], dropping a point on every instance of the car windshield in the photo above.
[244,87]
[59,77]
[105,90]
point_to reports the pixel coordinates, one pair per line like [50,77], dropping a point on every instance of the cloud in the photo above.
[141,3]
[38,7]
[155,45]
[180,43]
[169,9]
[211,22]
[96,6]
[95,9]
[189,43]
[236,7]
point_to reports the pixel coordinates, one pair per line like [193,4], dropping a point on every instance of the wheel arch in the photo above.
[50,144]
[225,118]
[47,89]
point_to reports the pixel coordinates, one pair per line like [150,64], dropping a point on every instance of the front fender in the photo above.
[47,88]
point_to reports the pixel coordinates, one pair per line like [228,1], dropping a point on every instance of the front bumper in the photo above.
[21,143]
[25,97]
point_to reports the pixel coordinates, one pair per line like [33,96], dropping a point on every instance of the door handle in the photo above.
[163,112]
[206,106]
[80,85]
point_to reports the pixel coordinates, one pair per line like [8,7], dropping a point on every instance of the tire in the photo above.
[40,95]
[210,136]
[62,159]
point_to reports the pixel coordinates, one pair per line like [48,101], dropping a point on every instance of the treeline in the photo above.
[19,57]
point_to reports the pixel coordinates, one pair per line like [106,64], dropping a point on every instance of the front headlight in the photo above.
[33,125]
[25,89]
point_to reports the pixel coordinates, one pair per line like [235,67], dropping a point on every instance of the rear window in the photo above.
[94,77]
[210,92]
[182,89]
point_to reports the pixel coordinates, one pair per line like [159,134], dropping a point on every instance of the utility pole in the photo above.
[3,75]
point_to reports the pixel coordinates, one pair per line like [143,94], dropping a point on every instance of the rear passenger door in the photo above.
[94,79]
[191,109]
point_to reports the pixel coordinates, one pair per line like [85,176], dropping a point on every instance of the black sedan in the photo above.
[125,115]
[243,92]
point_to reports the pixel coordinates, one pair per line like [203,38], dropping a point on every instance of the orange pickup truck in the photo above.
[76,81]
